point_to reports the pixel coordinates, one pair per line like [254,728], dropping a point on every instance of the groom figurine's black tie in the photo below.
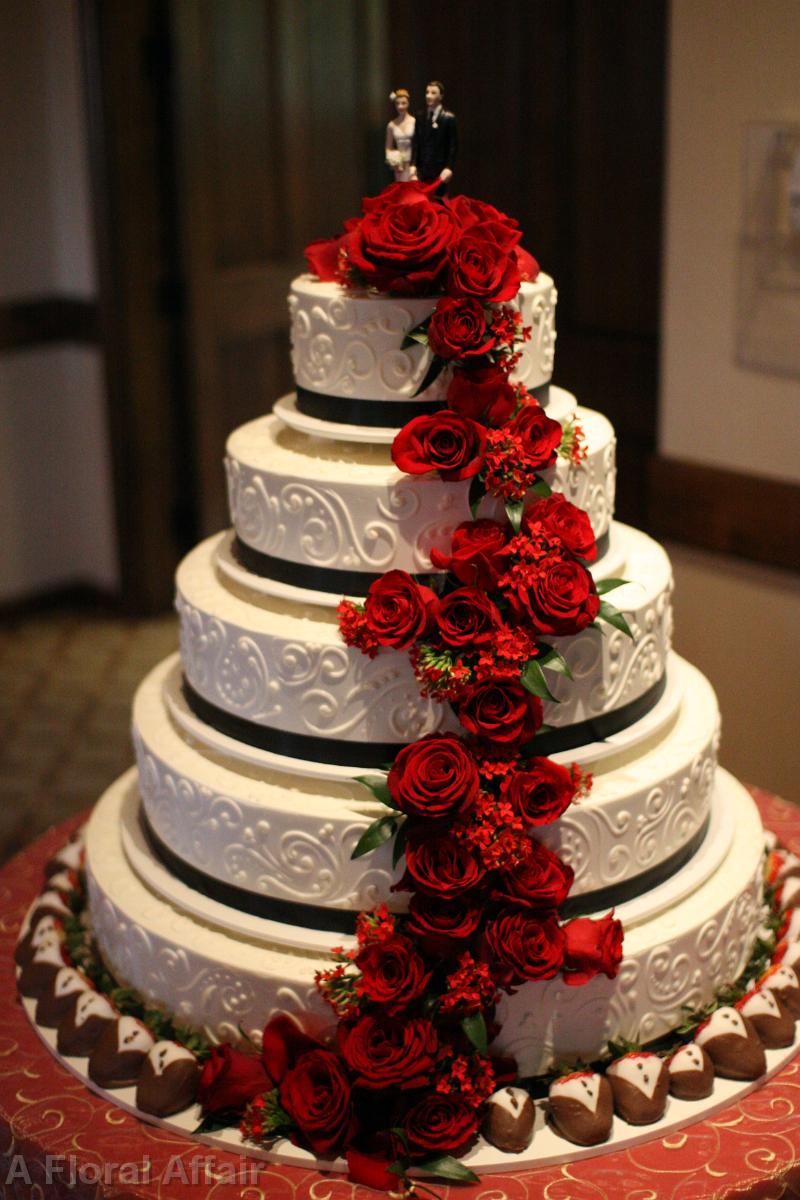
[433,150]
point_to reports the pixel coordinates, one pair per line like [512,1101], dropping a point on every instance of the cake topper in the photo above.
[433,150]
[399,136]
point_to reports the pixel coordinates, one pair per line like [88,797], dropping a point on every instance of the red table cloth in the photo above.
[58,1140]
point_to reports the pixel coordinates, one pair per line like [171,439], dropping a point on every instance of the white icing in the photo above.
[68,980]
[133,1035]
[688,1058]
[53,900]
[93,1005]
[643,1071]
[770,839]
[762,1003]
[50,951]
[510,1099]
[724,1020]
[164,1054]
[585,1088]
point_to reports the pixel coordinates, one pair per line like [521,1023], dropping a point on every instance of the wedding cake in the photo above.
[554,827]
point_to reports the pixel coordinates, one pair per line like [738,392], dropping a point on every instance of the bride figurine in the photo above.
[399,135]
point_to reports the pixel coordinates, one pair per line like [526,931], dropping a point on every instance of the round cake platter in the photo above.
[560,406]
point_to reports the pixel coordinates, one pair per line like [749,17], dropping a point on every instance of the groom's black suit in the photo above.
[434,145]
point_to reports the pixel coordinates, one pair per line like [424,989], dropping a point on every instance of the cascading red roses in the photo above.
[398,611]
[392,973]
[482,263]
[556,516]
[400,244]
[384,1052]
[482,393]
[500,710]
[559,597]
[541,880]
[592,947]
[446,1124]
[443,442]
[230,1080]
[441,924]
[467,617]
[439,863]
[315,1092]
[475,553]
[433,778]
[540,435]
[458,329]
[521,946]
[540,792]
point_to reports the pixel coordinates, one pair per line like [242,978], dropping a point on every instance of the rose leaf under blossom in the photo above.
[614,617]
[553,660]
[608,585]
[474,1027]
[379,788]
[379,831]
[514,511]
[533,680]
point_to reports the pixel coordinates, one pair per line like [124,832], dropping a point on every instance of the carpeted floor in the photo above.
[66,684]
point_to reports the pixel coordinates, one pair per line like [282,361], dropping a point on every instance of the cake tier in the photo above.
[290,838]
[228,983]
[333,516]
[276,673]
[350,346]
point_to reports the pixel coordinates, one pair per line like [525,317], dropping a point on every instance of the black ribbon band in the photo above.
[327,579]
[337,752]
[380,414]
[337,920]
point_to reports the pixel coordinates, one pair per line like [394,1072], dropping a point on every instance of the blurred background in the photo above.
[165,161]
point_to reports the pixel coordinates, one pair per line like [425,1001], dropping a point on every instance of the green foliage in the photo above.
[379,832]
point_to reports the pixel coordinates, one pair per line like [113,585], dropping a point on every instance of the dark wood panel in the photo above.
[745,515]
[47,319]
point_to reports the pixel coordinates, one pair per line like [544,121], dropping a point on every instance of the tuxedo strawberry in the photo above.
[120,1052]
[770,1018]
[50,904]
[168,1080]
[54,1004]
[44,928]
[789,930]
[691,1073]
[509,1119]
[640,1083]
[581,1107]
[787,895]
[83,1025]
[41,969]
[732,1044]
[784,982]
[787,954]
[68,858]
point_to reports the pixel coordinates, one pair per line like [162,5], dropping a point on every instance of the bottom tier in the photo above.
[225,977]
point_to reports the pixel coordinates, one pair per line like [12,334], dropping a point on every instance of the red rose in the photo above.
[444,1123]
[443,442]
[400,244]
[440,863]
[482,393]
[392,973]
[230,1079]
[540,434]
[371,1170]
[560,598]
[398,611]
[542,880]
[482,263]
[475,553]
[469,213]
[438,923]
[458,328]
[315,1092]
[500,710]
[322,257]
[521,946]
[383,1052]
[558,517]
[467,617]
[282,1043]
[434,777]
[527,265]
[540,792]
[592,946]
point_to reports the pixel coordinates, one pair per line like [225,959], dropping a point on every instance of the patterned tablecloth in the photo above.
[58,1140]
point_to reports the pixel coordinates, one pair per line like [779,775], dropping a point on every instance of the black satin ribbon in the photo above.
[337,752]
[327,579]
[336,920]
[382,414]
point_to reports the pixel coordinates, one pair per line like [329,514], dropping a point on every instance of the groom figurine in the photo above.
[433,150]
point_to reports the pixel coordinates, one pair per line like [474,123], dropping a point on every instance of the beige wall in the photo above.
[731,61]
[55,487]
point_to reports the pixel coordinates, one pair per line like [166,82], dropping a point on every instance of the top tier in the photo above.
[348,346]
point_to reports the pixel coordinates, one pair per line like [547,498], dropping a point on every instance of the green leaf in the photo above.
[553,660]
[474,1028]
[379,832]
[476,494]
[399,847]
[514,510]
[533,680]
[614,617]
[608,585]
[541,489]
[397,1168]
[218,1120]
[433,372]
[443,1166]
[418,336]
[379,788]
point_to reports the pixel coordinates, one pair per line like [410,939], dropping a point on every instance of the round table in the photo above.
[59,1140]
